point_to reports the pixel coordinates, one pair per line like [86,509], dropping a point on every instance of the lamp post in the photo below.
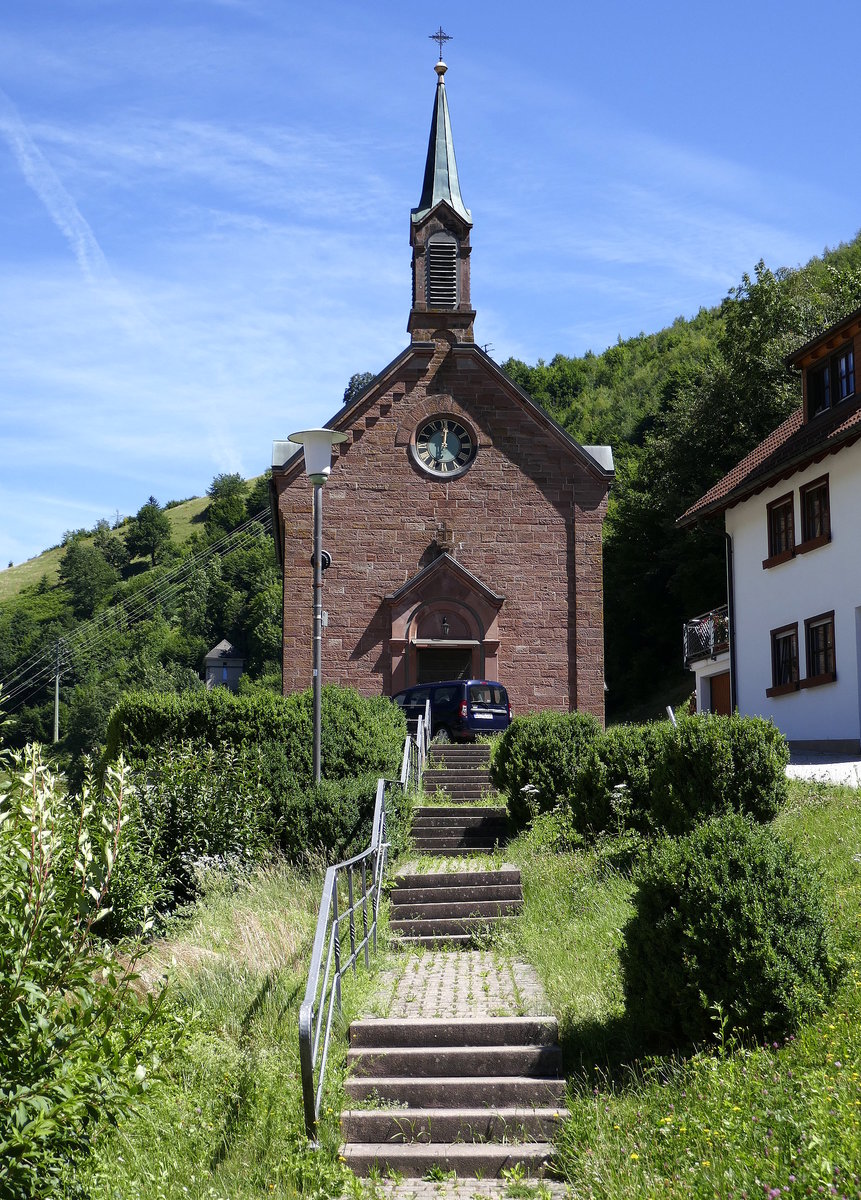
[317,444]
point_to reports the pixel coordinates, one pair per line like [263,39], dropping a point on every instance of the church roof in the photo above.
[441,183]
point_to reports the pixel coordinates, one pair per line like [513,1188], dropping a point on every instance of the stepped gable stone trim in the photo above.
[789,448]
[540,415]
[347,417]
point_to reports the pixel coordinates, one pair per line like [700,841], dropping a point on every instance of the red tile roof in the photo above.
[792,446]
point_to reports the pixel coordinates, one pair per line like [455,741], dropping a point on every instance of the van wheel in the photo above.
[442,736]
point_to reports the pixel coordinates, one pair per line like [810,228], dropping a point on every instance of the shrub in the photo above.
[359,734]
[725,916]
[660,777]
[332,820]
[73,1036]
[714,764]
[192,806]
[612,788]
[541,750]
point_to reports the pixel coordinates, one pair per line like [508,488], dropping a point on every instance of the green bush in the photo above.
[714,764]
[75,1043]
[358,734]
[193,807]
[665,778]
[725,916]
[541,751]
[612,789]
[332,820]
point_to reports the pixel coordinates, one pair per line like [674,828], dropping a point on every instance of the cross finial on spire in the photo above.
[440,37]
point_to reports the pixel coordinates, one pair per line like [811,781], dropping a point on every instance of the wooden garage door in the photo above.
[720,702]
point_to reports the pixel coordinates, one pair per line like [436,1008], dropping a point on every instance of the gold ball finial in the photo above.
[440,69]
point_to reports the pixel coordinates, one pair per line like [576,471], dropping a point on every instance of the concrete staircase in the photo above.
[478,1096]
[463,771]
[449,907]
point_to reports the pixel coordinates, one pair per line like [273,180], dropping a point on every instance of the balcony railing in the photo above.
[706,636]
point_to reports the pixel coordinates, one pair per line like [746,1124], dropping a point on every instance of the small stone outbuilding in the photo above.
[223,666]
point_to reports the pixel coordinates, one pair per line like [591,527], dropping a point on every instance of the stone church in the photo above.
[463,523]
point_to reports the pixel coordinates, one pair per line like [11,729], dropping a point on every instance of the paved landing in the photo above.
[462,983]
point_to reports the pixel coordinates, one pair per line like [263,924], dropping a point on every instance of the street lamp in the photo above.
[317,444]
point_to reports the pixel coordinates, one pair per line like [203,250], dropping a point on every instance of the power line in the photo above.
[129,607]
[87,637]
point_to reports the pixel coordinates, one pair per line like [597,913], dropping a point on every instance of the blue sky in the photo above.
[204,227]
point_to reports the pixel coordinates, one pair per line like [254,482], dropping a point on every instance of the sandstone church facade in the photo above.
[464,524]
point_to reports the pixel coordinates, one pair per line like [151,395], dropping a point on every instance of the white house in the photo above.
[792,513]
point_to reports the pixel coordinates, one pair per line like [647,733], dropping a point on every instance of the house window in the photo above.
[819,639]
[845,360]
[815,514]
[819,383]
[831,382]
[784,660]
[781,531]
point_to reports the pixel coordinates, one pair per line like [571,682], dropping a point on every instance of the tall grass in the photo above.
[731,1120]
[226,1118]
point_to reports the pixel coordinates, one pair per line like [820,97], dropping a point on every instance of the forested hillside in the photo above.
[138,606]
[680,408]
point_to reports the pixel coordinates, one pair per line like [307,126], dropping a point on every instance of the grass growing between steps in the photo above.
[225,1120]
[729,1121]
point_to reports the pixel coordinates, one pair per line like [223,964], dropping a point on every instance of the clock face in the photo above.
[444,446]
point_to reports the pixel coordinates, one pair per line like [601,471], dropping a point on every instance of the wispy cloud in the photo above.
[61,207]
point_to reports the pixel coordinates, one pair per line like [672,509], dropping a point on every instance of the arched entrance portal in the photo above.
[443,626]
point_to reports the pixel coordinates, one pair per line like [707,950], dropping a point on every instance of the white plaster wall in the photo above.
[807,585]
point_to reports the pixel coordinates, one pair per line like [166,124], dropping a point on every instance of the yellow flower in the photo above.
[635,1157]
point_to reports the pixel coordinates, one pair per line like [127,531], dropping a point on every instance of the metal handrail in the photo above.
[323,990]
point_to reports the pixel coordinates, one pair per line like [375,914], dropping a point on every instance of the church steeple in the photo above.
[441,181]
[439,236]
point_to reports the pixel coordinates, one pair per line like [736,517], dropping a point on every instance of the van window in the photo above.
[445,695]
[486,695]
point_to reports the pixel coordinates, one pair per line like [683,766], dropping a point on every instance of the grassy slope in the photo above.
[184,519]
[226,1118]
[731,1123]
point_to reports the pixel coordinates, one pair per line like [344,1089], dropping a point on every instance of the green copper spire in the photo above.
[440,182]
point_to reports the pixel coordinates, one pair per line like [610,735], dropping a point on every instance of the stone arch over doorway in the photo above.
[444,625]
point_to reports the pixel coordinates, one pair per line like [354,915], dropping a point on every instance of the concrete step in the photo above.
[415,1159]
[456,851]
[452,820]
[434,779]
[454,941]
[421,1061]
[400,1125]
[462,810]
[503,877]
[504,894]
[457,844]
[375,1032]
[457,1091]
[444,927]
[450,910]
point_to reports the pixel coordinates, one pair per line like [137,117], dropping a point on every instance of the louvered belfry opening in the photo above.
[442,273]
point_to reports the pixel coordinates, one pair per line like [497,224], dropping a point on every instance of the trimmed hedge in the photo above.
[658,777]
[726,916]
[359,735]
[542,750]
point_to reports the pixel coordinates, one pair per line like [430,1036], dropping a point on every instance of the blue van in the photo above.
[460,708]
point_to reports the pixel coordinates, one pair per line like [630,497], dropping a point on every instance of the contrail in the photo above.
[61,207]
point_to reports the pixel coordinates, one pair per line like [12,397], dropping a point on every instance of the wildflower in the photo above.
[635,1157]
